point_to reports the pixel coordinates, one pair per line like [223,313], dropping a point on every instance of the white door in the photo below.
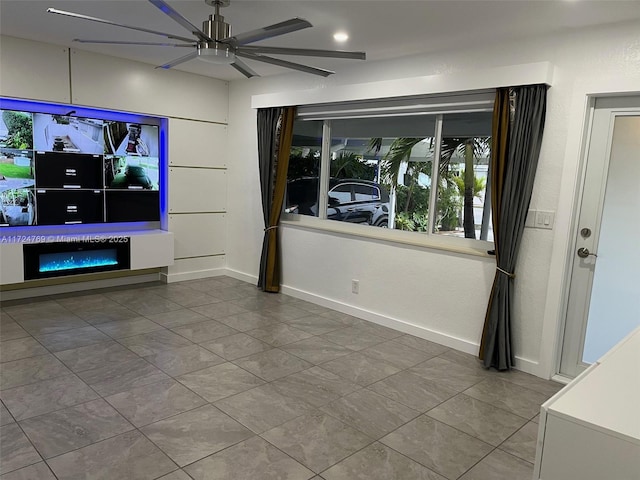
[604,294]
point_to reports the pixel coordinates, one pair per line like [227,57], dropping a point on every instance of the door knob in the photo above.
[584,253]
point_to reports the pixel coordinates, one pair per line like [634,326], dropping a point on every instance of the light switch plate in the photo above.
[544,219]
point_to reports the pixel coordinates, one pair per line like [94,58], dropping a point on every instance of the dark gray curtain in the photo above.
[267,140]
[512,184]
[275,133]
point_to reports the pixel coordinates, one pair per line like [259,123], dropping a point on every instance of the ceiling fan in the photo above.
[215,44]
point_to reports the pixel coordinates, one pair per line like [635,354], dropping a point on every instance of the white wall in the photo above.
[197,108]
[443,294]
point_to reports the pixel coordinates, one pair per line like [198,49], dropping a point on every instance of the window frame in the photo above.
[427,239]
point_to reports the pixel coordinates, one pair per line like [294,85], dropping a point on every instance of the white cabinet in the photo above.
[590,430]
[147,249]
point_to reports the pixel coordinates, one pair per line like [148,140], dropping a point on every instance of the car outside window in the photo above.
[366,193]
[341,194]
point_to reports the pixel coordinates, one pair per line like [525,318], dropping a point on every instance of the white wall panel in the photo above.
[33,70]
[194,268]
[198,234]
[197,190]
[152,249]
[197,144]
[11,263]
[118,84]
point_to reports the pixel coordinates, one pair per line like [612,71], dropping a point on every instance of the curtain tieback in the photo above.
[508,274]
[272,227]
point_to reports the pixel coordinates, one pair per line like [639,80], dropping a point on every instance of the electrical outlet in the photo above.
[355,286]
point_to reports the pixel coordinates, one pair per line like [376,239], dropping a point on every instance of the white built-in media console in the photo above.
[590,430]
[82,190]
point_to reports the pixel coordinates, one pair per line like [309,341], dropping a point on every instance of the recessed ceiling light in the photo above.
[340,37]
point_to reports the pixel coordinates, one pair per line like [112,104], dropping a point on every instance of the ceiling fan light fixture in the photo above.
[341,37]
[216,54]
[215,44]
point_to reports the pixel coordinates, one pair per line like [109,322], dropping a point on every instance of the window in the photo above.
[418,165]
[462,207]
[304,169]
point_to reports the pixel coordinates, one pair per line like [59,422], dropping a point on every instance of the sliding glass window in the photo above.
[380,171]
[424,172]
[463,208]
[304,169]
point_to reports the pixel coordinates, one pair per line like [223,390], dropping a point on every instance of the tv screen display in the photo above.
[130,139]
[132,206]
[65,169]
[131,156]
[17,176]
[60,133]
[69,207]
[68,170]
[17,207]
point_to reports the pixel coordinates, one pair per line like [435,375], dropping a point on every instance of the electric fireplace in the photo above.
[85,255]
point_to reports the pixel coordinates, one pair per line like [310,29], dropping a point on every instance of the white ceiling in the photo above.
[383,29]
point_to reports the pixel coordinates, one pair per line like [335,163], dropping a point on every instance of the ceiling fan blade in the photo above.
[114,42]
[306,52]
[180,60]
[175,16]
[284,63]
[109,22]
[244,69]
[263,33]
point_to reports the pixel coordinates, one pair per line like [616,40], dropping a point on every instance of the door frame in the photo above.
[580,104]
[598,142]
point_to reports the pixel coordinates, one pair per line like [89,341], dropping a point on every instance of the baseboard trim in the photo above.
[245,277]
[527,365]
[523,364]
[561,379]
[78,286]
[197,275]
[400,325]
[396,324]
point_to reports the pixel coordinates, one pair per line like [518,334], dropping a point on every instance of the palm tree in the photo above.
[350,165]
[469,148]
[399,152]
[468,221]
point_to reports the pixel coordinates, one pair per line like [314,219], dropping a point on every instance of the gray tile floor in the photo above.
[213,379]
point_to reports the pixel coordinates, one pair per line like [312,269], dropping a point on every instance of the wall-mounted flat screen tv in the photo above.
[67,169]
[59,170]
[70,207]
[63,133]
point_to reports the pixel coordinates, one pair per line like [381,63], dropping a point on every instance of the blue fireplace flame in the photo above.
[55,262]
